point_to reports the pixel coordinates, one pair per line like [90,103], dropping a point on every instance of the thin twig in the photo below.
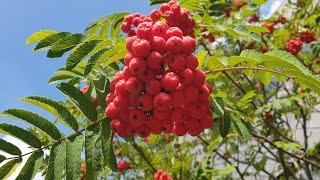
[139,150]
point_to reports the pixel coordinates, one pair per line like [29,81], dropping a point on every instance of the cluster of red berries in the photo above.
[293,46]
[85,90]
[174,15]
[123,165]
[160,88]
[162,175]
[307,37]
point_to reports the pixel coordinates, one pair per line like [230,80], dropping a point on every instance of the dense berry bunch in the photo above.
[162,175]
[160,88]
[307,37]
[123,165]
[293,46]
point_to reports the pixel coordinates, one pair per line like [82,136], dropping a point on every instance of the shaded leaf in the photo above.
[93,60]
[28,168]
[34,119]
[6,168]
[73,157]
[57,161]
[50,40]
[242,128]
[107,146]
[80,53]
[9,148]
[92,153]
[2,158]
[21,134]
[80,100]
[55,108]
[64,45]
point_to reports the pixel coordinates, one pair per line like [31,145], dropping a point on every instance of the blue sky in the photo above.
[24,73]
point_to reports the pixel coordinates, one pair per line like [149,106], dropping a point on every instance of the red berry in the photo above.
[174,31]
[169,81]
[199,77]
[154,125]
[197,110]
[144,31]
[147,102]
[191,62]
[148,75]
[137,66]
[154,60]
[187,77]
[128,58]
[162,115]
[112,111]
[162,101]
[158,44]
[121,101]
[109,97]
[177,98]
[177,63]
[134,85]
[206,122]
[189,44]
[179,129]
[191,93]
[174,45]
[129,42]
[159,29]
[120,87]
[193,127]
[155,15]
[143,131]
[178,115]
[137,118]
[125,27]
[153,87]
[141,47]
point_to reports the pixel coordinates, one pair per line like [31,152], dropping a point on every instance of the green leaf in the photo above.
[6,168]
[60,77]
[214,63]
[102,88]
[264,77]
[288,145]
[225,124]
[243,128]
[40,35]
[80,100]
[73,157]
[64,45]
[93,60]
[107,146]
[34,119]
[154,2]
[21,134]
[54,108]
[116,21]
[218,103]
[50,40]
[80,53]
[248,56]
[57,161]
[223,173]
[92,153]
[2,158]
[28,168]
[9,148]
